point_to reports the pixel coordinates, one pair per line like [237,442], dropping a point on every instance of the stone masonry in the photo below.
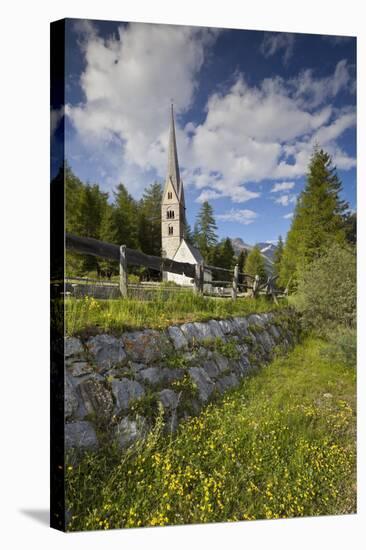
[116,386]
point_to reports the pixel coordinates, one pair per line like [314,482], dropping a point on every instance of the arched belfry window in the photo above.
[170,214]
[170,230]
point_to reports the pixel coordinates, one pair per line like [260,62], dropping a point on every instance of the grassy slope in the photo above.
[281,445]
[165,309]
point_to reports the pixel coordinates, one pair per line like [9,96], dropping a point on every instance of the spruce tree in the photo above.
[277,256]
[205,235]
[149,220]
[241,264]
[318,219]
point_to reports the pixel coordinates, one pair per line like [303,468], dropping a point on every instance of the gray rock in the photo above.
[211,369]
[227,326]
[158,375]
[203,331]
[80,435]
[71,401]
[107,351]
[72,346]
[275,332]
[266,342]
[97,399]
[125,391]
[146,346]
[128,431]
[216,329]
[242,325]
[137,367]
[222,363]
[151,375]
[256,319]
[190,332]
[80,368]
[204,384]
[179,340]
[227,382]
[168,398]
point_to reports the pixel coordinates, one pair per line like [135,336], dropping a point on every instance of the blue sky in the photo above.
[249,107]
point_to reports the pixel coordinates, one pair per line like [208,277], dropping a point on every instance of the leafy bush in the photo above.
[326,293]
[341,346]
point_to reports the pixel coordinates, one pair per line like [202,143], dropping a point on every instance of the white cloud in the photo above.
[207,195]
[284,186]
[285,200]
[275,42]
[129,82]
[312,92]
[245,217]
[289,216]
[249,134]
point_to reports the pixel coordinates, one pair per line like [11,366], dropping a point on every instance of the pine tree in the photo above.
[277,256]
[205,235]
[254,264]
[124,218]
[149,220]
[241,263]
[318,219]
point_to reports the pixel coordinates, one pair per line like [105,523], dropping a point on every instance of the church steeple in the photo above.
[173,166]
[172,207]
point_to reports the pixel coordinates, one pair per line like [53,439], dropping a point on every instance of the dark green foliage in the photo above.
[254,264]
[205,228]
[341,346]
[149,220]
[327,289]
[223,255]
[277,257]
[318,220]
[350,226]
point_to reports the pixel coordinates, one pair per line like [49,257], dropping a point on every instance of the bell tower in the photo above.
[172,206]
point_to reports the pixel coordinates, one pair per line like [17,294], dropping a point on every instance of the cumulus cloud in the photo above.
[278,42]
[289,216]
[249,134]
[285,200]
[284,186]
[245,217]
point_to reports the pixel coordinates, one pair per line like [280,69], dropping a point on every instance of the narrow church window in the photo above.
[170,214]
[170,195]
[170,230]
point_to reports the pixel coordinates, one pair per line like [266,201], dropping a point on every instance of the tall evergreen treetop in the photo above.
[318,219]
[205,228]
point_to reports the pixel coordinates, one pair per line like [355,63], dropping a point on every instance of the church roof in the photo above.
[197,256]
[173,167]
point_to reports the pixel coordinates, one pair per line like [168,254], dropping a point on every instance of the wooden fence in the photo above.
[129,257]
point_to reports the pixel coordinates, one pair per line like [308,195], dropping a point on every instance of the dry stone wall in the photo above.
[115,386]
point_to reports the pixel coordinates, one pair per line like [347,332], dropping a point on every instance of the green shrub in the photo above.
[342,346]
[326,293]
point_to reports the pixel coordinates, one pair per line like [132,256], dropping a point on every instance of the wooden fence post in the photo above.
[255,289]
[198,279]
[123,271]
[234,291]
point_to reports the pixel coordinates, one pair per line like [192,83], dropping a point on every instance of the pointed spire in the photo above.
[173,167]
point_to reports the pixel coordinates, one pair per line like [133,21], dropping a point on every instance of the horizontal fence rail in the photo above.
[127,256]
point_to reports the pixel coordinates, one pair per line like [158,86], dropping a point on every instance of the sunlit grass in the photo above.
[281,445]
[162,310]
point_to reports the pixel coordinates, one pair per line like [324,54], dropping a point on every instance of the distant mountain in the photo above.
[267,250]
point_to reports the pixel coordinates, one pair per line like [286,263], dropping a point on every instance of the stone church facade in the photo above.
[173,218]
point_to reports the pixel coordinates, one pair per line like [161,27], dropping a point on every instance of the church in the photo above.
[173,219]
